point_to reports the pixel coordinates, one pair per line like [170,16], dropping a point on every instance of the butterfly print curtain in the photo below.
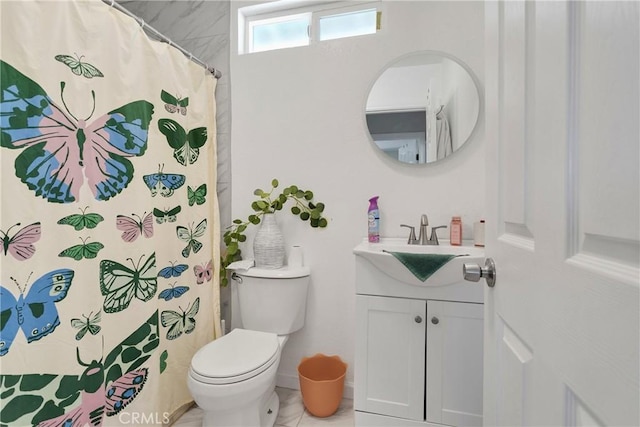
[109,218]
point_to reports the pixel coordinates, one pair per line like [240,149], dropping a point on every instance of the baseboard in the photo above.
[292,382]
[178,413]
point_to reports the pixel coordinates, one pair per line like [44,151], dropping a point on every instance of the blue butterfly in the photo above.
[60,153]
[36,314]
[173,292]
[165,183]
[173,270]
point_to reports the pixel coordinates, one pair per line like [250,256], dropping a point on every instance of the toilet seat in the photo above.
[238,356]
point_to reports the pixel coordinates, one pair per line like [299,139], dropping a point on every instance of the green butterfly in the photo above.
[174,104]
[87,325]
[197,196]
[167,214]
[119,284]
[84,250]
[78,67]
[80,221]
[186,146]
[189,235]
[180,323]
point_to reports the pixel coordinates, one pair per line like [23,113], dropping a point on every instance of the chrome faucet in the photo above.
[422,238]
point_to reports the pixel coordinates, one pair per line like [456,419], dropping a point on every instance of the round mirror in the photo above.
[422,108]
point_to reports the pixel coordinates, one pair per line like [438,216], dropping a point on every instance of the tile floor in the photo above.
[292,413]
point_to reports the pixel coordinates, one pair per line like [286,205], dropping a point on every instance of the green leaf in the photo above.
[286,191]
[299,194]
[282,198]
[322,223]
[314,223]
[242,238]
[258,192]
[320,207]
[315,215]
[274,183]
[308,195]
[295,210]
[262,205]
[311,206]
[242,227]
[293,189]
[237,221]
[254,219]
[304,216]
[255,206]
[232,248]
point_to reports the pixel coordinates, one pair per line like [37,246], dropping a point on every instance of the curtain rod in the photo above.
[216,73]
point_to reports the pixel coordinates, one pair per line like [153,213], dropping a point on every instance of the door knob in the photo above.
[474,272]
[435,320]
[418,319]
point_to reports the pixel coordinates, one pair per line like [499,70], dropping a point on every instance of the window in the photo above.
[350,24]
[286,23]
[278,33]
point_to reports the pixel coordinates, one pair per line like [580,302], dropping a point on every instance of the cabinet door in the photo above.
[454,363]
[390,351]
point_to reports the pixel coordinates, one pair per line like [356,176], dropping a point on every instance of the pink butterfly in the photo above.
[60,152]
[132,229]
[100,402]
[21,244]
[203,273]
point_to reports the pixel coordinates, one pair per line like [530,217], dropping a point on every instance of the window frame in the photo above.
[249,16]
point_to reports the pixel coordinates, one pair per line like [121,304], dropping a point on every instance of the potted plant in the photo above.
[264,206]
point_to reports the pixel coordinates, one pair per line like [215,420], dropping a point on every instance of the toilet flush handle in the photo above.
[235,276]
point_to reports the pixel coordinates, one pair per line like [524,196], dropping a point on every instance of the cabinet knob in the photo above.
[435,320]
[418,319]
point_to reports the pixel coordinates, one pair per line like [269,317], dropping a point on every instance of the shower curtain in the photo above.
[109,217]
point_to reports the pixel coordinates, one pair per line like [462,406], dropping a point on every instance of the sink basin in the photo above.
[448,274]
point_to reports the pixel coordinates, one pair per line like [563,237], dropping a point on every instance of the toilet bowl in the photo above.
[233,378]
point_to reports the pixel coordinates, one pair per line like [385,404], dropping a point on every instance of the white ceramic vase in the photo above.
[268,244]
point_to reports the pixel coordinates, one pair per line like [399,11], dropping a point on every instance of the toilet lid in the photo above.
[237,356]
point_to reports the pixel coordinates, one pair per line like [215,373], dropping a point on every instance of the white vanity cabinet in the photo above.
[418,351]
[419,360]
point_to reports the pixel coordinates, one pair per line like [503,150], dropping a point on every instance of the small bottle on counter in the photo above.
[456,231]
[478,233]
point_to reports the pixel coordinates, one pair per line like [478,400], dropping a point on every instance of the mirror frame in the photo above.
[403,57]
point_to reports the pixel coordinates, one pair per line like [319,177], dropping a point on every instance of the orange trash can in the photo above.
[322,383]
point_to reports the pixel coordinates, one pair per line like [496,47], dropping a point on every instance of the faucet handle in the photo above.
[434,235]
[412,234]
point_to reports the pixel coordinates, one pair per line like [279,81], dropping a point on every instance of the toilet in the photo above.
[233,378]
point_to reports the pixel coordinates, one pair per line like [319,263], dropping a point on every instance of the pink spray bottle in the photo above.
[374,220]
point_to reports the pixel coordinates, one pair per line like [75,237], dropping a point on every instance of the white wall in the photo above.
[298,115]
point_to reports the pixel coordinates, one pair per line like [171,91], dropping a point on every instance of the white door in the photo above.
[562,323]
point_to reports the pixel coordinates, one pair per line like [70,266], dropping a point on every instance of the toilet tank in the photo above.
[273,300]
